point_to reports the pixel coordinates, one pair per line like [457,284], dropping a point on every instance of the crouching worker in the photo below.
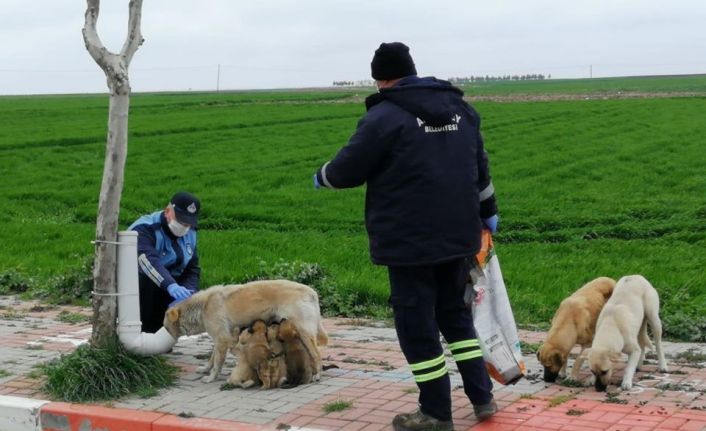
[168,264]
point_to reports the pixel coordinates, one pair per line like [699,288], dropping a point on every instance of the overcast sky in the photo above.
[303,43]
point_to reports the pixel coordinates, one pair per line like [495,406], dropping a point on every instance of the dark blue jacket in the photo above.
[163,257]
[420,151]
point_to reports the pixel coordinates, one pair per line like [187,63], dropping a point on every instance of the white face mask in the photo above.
[177,228]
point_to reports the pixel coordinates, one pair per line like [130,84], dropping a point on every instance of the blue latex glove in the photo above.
[491,223]
[316,182]
[178,292]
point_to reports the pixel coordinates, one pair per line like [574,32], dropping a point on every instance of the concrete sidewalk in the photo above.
[373,379]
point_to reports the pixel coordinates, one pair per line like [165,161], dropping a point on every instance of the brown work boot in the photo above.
[484,411]
[418,421]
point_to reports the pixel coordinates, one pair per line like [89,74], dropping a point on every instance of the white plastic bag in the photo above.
[492,316]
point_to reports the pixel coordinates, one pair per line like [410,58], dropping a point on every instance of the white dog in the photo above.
[622,327]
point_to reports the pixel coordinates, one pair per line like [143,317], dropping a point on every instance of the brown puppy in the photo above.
[301,355]
[244,374]
[574,323]
[221,310]
[273,371]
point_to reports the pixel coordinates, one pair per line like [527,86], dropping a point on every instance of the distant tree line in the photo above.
[458,80]
[488,78]
[363,83]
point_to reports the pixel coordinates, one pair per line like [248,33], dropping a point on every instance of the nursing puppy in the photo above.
[245,374]
[622,327]
[574,323]
[222,310]
[273,371]
[301,355]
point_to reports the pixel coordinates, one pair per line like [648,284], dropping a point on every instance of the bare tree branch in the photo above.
[134,36]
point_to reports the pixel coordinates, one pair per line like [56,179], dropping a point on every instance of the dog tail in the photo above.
[321,335]
[643,338]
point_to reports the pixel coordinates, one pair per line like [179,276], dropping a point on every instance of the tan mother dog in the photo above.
[622,327]
[574,323]
[222,310]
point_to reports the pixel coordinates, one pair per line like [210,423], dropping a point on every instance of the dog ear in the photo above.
[173,314]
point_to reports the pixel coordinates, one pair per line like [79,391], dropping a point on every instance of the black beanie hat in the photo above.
[392,61]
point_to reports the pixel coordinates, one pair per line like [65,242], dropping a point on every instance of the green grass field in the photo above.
[585,188]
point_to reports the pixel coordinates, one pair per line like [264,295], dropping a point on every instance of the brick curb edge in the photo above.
[24,414]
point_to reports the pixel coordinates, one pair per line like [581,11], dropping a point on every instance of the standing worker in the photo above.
[420,151]
[167,259]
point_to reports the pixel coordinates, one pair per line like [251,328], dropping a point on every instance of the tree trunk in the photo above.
[104,273]
[115,67]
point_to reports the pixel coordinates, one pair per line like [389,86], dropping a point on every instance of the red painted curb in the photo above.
[80,417]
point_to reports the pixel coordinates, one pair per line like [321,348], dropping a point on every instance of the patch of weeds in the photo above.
[337,406]
[202,356]
[411,390]
[38,308]
[13,282]
[527,397]
[11,314]
[147,392]
[680,387]
[571,383]
[11,361]
[186,415]
[685,325]
[227,387]
[102,373]
[646,377]
[4,373]
[35,374]
[72,287]
[72,318]
[560,399]
[283,426]
[529,348]
[576,412]
[692,356]
[612,398]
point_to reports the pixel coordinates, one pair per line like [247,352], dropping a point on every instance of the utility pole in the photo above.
[590,71]
[218,79]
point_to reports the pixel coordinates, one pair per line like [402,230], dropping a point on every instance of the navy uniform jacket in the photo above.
[420,151]
[163,257]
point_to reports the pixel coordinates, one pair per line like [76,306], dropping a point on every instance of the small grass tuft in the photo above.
[527,397]
[576,412]
[612,398]
[337,406]
[96,374]
[72,318]
[692,356]
[411,390]
[571,383]
[529,348]
[560,399]
[4,373]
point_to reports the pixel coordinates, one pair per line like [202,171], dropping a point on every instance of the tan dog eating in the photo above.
[222,310]
[574,323]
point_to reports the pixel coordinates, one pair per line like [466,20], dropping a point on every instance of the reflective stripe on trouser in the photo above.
[465,350]
[427,300]
[429,370]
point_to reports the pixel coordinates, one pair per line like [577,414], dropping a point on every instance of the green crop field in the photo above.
[585,187]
